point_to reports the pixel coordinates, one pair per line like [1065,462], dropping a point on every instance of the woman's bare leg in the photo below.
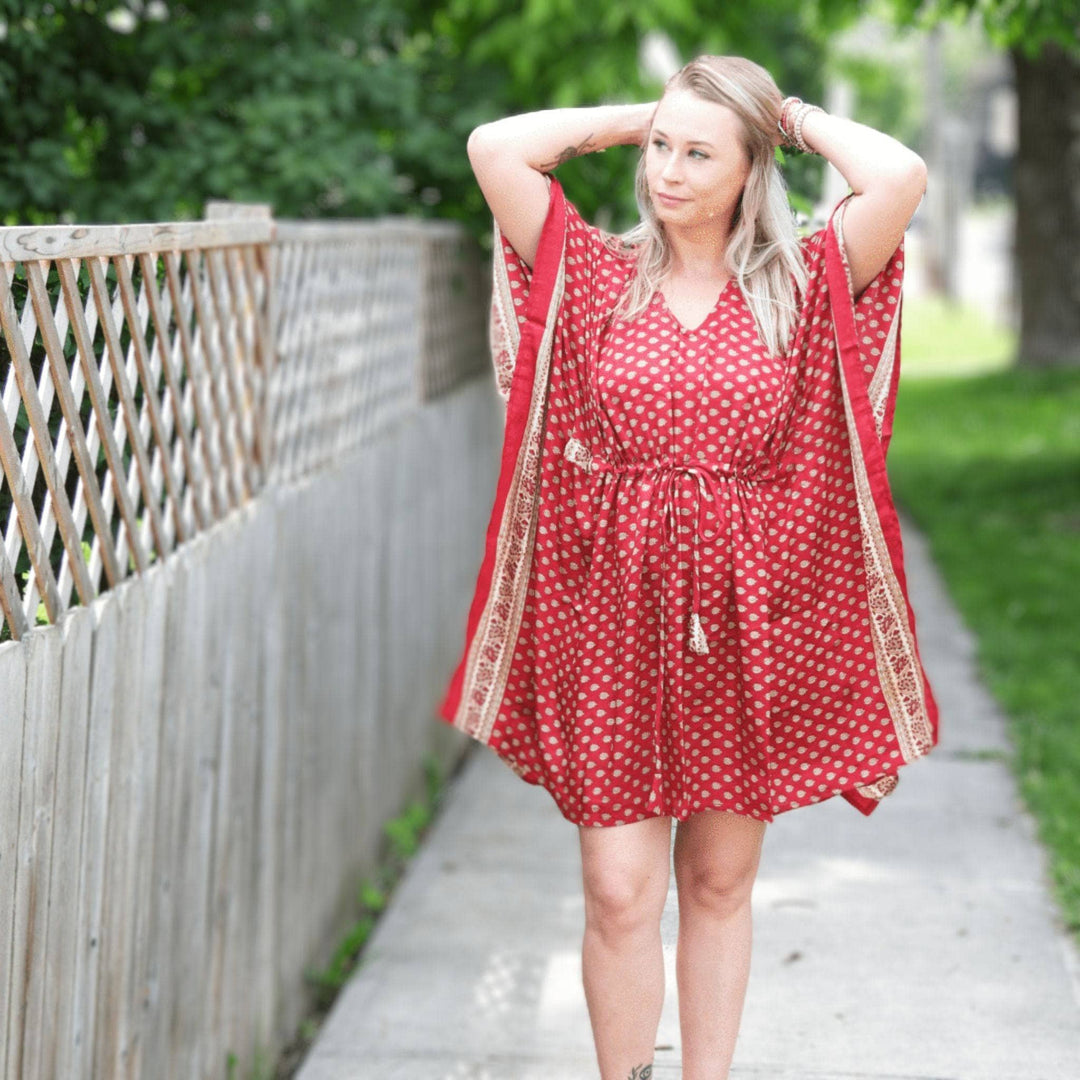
[625,873]
[716,861]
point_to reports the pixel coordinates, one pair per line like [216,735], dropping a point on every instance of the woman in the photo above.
[692,605]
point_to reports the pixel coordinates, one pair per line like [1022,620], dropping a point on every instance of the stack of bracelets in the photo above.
[793,111]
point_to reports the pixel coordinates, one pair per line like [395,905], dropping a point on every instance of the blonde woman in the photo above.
[692,606]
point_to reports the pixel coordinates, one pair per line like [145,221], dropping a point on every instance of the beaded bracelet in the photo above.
[793,132]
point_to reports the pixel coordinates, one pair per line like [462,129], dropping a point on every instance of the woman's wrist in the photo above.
[793,114]
[643,121]
[862,155]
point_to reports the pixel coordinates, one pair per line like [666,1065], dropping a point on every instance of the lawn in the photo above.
[987,464]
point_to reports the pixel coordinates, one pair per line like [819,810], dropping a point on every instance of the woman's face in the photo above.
[695,153]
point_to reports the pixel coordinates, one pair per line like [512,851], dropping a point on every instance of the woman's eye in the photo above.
[661,143]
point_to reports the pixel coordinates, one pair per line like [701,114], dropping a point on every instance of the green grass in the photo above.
[939,338]
[987,464]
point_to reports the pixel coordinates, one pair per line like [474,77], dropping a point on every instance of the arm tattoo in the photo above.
[570,152]
[640,1072]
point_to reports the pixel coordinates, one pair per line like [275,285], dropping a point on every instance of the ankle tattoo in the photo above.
[640,1072]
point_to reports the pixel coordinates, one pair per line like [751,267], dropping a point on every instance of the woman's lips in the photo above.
[669,200]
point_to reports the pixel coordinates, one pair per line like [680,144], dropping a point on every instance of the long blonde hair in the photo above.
[763,250]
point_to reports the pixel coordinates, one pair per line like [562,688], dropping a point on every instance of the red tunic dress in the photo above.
[666,661]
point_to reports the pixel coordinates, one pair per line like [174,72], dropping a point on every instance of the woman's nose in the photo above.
[670,171]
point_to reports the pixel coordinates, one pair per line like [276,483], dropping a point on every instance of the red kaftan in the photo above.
[672,481]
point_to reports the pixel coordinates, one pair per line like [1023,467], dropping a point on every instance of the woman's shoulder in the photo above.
[811,242]
[811,249]
[601,242]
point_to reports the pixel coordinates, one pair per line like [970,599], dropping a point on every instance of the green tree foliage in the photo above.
[144,111]
[311,105]
[1026,25]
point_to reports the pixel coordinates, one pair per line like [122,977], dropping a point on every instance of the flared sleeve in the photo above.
[525,308]
[586,285]
[876,313]
[867,335]
[850,351]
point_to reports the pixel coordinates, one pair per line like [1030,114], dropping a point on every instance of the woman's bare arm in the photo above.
[510,156]
[888,179]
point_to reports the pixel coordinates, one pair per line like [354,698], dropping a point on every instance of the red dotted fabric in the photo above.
[681,467]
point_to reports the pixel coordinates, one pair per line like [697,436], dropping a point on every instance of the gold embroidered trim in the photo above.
[839,217]
[492,649]
[504,330]
[879,788]
[878,390]
[894,643]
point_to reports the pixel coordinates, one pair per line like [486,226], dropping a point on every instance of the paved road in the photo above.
[917,944]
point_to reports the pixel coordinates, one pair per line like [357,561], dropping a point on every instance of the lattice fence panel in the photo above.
[457,294]
[348,335]
[133,366]
[154,377]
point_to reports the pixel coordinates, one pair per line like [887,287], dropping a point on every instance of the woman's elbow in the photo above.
[911,173]
[479,142]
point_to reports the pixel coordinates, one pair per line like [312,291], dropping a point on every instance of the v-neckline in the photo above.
[709,314]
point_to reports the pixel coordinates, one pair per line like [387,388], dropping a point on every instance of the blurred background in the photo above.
[148,110]
[143,111]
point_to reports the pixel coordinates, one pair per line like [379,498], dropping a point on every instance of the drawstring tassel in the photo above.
[697,636]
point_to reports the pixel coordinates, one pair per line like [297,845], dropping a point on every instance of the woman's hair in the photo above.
[763,250]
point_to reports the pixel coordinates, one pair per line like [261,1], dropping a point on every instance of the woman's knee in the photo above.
[626,878]
[623,902]
[721,889]
[716,863]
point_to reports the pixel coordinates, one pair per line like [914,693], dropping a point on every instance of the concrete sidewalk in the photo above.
[917,943]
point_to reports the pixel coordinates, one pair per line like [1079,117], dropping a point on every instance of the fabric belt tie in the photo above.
[706,486]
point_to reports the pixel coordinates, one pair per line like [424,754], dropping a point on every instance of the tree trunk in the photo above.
[1047,188]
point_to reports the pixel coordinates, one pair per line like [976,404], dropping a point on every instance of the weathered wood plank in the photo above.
[292,922]
[362,230]
[230,897]
[142,809]
[96,803]
[38,785]
[245,899]
[268,632]
[198,715]
[13,659]
[111,1033]
[19,243]
[59,1056]
[161,960]
[220,603]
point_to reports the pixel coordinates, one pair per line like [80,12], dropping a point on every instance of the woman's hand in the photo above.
[778,137]
[648,111]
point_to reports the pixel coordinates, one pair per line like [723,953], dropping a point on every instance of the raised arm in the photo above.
[888,179]
[510,156]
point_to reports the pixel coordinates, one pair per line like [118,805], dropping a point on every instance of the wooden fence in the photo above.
[241,513]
